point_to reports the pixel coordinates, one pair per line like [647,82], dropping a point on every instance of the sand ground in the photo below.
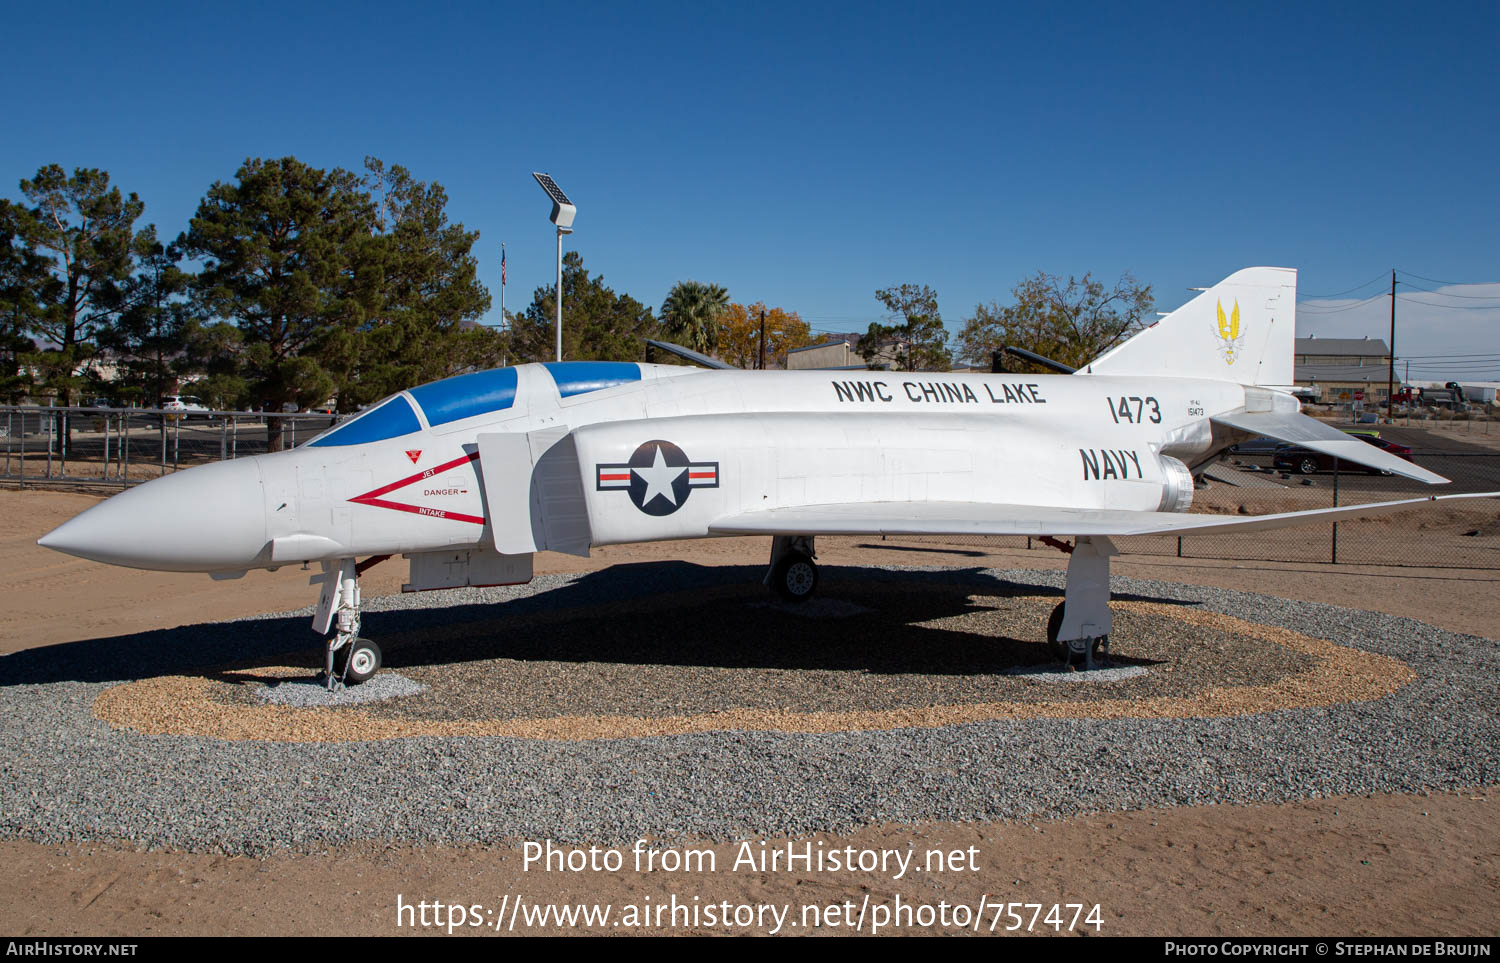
[1404,865]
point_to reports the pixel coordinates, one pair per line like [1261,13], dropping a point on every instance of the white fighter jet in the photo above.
[469,476]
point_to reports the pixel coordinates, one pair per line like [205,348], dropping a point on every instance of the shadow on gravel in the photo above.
[717,616]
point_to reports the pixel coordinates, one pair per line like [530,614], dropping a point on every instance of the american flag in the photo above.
[502,265]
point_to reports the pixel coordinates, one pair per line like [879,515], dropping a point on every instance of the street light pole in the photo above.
[560,233]
[563,212]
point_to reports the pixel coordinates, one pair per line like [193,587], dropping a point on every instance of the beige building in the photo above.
[828,354]
[1343,370]
[843,352]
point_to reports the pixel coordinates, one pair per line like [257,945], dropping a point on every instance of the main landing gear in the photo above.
[793,574]
[1079,627]
[349,659]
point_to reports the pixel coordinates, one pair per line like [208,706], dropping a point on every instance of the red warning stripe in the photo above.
[418,510]
[373,499]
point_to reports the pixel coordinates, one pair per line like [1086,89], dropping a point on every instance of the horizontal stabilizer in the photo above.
[972,518]
[1298,429]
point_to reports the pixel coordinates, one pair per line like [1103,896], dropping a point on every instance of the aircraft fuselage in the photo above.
[625,452]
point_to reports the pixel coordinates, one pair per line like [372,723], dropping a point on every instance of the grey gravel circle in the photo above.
[311,693]
[65,775]
[1065,675]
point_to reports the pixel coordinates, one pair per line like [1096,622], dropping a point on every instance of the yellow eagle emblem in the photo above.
[1230,338]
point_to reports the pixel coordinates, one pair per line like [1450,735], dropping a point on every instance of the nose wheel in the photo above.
[360,662]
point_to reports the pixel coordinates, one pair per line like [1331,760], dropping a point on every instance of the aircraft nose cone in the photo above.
[206,519]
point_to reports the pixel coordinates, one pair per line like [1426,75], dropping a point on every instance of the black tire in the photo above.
[1065,652]
[1054,623]
[795,577]
[360,663]
[1307,465]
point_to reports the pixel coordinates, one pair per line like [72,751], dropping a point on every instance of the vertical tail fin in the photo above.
[1241,329]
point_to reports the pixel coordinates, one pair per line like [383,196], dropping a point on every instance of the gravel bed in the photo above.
[1066,675]
[888,646]
[313,693]
[64,775]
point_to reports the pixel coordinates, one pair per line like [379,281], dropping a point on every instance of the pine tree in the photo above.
[598,325]
[82,231]
[289,256]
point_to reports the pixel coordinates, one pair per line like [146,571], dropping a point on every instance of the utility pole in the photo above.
[762,339]
[504,324]
[1390,374]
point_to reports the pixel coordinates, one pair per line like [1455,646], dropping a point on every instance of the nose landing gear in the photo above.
[338,608]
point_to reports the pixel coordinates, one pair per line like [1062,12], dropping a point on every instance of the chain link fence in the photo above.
[1464,535]
[117,447]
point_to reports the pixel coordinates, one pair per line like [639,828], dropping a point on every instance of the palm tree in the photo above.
[690,314]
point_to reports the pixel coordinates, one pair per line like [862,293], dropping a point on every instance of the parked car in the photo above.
[1256,446]
[183,407]
[1305,460]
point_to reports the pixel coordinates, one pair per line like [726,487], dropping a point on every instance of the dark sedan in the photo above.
[1256,446]
[1305,460]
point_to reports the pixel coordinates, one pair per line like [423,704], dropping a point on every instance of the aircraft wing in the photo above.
[1299,429]
[969,518]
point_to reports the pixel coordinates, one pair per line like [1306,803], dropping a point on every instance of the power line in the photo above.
[1464,368]
[1347,307]
[1450,307]
[1305,309]
[1478,366]
[1329,297]
[1452,374]
[1466,297]
[1478,356]
[1436,281]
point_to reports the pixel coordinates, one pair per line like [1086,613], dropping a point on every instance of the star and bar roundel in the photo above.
[658,476]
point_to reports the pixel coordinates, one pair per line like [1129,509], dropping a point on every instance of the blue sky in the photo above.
[807,154]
